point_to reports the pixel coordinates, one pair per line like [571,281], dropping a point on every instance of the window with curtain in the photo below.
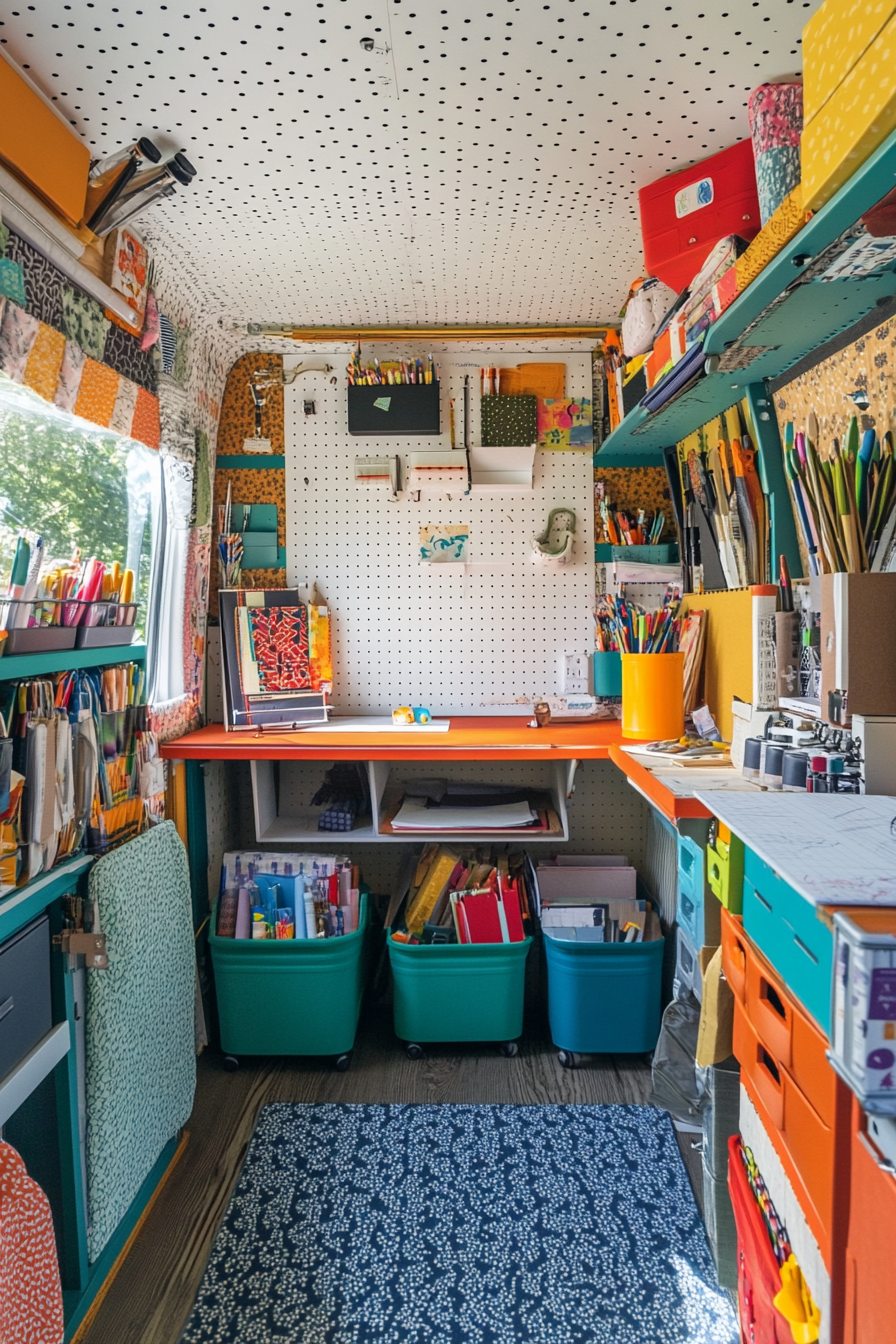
[82,487]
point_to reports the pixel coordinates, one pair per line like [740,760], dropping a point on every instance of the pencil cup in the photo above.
[652,696]
[607,673]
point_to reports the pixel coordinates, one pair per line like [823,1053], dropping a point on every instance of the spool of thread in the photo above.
[794,771]
[772,769]
[752,758]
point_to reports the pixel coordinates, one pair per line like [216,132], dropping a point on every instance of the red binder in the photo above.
[513,914]
[482,917]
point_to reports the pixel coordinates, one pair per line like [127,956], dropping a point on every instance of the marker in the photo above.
[784,584]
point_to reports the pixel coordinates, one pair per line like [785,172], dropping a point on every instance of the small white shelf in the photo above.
[503,471]
[272,827]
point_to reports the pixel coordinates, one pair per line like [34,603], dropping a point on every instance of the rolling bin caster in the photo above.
[343,1063]
[231,1063]
[509,1049]
[414,1051]
[569,1059]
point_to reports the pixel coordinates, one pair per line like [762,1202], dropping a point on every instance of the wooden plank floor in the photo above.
[151,1297]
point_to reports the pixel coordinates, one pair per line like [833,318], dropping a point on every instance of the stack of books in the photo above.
[454,896]
[593,898]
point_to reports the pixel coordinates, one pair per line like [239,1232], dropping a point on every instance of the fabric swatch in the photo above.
[509,422]
[45,362]
[84,322]
[97,393]
[565,424]
[12,280]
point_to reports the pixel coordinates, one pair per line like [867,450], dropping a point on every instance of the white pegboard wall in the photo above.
[404,632]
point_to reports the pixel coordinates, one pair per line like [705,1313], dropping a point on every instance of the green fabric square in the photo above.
[12,281]
[509,422]
[83,322]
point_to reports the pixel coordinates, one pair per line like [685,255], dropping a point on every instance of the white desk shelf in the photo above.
[283,816]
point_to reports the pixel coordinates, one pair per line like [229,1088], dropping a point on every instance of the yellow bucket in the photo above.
[652,696]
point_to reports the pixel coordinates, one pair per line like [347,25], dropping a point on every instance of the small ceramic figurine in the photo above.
[403,715]
[542,713]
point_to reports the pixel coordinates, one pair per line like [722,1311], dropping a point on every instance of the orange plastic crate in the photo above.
[870,1281]
[815,1154]
[734,954]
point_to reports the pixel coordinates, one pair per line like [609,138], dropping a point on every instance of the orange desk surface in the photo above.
[656,792]
[468,739]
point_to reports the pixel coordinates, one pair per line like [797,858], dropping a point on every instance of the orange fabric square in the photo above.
[146,427]
[97,393]
[44,362]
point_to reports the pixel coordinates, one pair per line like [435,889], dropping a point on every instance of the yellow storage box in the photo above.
[834,41]
[854,116]
[39,148]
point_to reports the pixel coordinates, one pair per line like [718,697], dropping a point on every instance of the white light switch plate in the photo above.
[574,669]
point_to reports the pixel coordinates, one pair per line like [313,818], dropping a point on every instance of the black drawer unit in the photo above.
[25,1008]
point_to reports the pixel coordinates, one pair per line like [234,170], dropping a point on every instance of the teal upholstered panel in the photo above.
[141,1059]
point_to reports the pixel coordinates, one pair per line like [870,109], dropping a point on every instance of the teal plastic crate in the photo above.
[290,996]
[699,912]
[788,931]
[458,991]
[663,553]
[604,998]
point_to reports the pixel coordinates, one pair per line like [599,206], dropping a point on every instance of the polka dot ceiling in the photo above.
[402,161]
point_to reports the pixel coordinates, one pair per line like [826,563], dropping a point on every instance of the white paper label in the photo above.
[693,197]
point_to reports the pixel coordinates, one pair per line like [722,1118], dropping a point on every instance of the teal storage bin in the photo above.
[458,992]
[290,996]
[603,998]
[788,931]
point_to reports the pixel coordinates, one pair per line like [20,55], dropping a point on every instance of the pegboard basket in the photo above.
[394,409]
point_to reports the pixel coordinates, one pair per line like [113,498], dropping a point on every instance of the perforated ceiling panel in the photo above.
[479,165]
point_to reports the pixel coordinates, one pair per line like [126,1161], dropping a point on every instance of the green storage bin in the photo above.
[458,991]
[290,996]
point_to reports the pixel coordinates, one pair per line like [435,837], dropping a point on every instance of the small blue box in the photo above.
[699,912]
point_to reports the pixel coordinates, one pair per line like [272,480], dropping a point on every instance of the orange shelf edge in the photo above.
[662,798]
[468,739]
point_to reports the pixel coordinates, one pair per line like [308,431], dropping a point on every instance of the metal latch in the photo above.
[91,946]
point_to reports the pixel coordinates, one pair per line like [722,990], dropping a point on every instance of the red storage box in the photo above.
[684,215]
[870,1281]
[758,1275]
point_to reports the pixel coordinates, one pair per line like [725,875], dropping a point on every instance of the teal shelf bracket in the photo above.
[773,479]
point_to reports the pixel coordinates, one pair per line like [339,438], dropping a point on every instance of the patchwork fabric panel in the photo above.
[473,1224]
[141,1063]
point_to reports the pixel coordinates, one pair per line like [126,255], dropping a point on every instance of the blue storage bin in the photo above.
[788,931]
[699,912]
[688,972]
[604,998]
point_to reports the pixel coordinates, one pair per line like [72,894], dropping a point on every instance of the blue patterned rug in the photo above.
[462,1225]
